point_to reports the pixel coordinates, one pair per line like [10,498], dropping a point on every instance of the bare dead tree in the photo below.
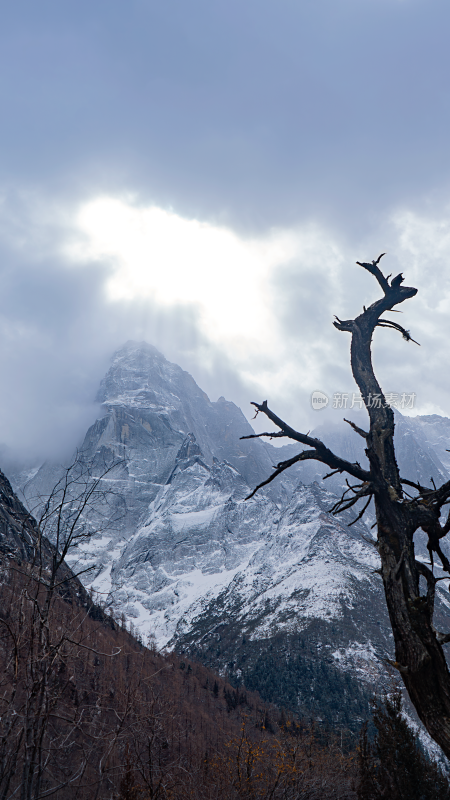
[419,656]
[39,724]
[80,505]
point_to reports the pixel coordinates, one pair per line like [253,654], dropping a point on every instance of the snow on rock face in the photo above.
[150,407]
[199,531]
[192,557]
[147,387]
[202,543]
[436,433]
[315,555]
[311,566]
[188,542]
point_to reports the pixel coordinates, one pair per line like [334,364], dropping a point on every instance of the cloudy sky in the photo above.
[203,175]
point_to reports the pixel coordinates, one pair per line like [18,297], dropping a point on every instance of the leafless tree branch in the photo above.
[417,646]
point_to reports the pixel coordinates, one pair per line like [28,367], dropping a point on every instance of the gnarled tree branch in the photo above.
[418,647]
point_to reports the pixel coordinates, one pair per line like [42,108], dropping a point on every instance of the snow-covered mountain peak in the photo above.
[206,570]
[141,376]
[147,399]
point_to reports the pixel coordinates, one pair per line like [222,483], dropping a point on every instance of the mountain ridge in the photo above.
[192,559]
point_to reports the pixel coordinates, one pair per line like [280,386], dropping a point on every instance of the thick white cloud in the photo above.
[159,255]
[249,316]
[230,282]
[290,140]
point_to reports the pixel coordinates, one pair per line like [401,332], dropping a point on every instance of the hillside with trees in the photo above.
[88,711]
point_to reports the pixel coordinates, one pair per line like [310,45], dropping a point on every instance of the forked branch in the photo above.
[417,644]
[319,451]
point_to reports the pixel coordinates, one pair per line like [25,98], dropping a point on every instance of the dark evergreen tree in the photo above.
[395,766]
[309,688]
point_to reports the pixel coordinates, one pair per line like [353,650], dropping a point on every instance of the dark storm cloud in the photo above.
[249,113]
[256,112]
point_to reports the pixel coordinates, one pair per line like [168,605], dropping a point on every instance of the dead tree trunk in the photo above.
[419,656]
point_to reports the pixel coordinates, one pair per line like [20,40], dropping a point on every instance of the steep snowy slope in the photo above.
[302,619]
[311,567]
[436,434]
[144,387]
[149,407]
[198,534]
[234,581]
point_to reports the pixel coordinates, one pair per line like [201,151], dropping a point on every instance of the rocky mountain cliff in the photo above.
[275,590]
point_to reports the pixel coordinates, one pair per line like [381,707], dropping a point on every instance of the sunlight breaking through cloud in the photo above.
[228,279]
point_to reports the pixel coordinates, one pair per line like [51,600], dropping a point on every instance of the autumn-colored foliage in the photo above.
[89,712]
[286,764]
